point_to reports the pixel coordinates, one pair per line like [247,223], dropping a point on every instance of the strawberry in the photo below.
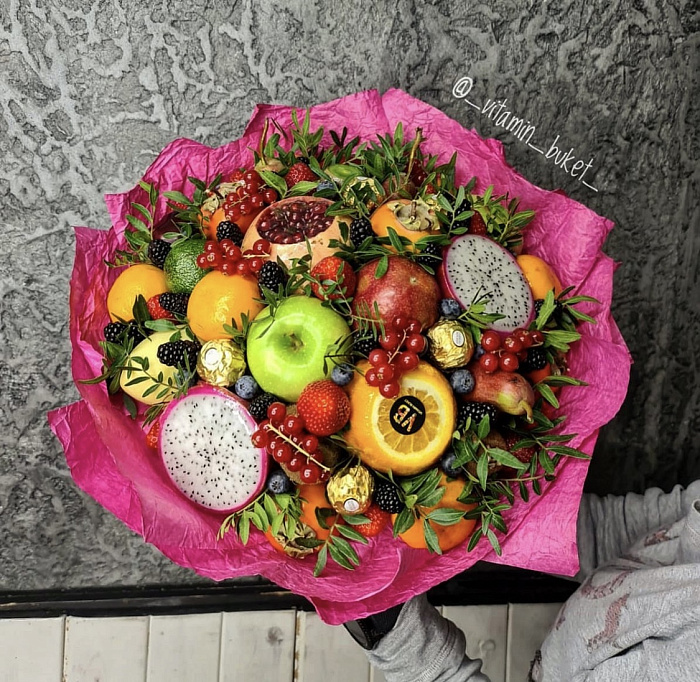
[377,520]
[152,435]
[299,172]
[331,270]
[157,311]
[477,225]
[324,407]
[523,454]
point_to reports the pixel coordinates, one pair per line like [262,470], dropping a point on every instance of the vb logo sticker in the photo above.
[407,415]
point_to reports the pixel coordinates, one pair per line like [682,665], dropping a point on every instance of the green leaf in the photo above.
[179,197]
[506,458]
[352,534]
[474,539]
[301,188]
[494,541]
[382,267]
[244,529]
[275,181]
[547,394]
[563,380]
[568,452]
[546,311]
[482,470]
[130,405]
[356,519]
[321,561]
[270,508]
[431,538]
[137,224]
[404,521]
[445,516]
[484,427]
[160,325]
[338,556]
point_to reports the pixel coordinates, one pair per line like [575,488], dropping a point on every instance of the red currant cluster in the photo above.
[228,258]
[285,438]
[506,354]
[400,346]
[251,196]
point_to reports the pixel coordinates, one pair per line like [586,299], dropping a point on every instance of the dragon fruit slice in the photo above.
[206,448]
[475,266]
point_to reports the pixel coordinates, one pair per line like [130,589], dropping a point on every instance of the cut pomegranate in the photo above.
[289,223]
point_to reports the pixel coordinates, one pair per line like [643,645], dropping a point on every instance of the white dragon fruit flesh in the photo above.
[206,448]
[475,266]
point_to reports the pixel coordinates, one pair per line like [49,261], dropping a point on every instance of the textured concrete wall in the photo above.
[91,91]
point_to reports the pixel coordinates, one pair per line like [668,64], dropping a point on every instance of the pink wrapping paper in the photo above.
[108,457]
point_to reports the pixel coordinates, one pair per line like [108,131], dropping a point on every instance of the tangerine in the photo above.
[406,434]
[137,280]
[217,299]
[448,536]
[539,275]
[313,497]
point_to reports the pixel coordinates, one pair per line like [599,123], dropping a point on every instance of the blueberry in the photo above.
[246,387]
[342,374]
[450,308]
[326,184]
[447,464]
[462,381]
[478,351]
[279,483]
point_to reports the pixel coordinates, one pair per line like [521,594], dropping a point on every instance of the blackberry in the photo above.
[258,406]
[114,332]
[134,333]
[477,411]
[464,206]
[174,303]
[157,252]
[431,255]
[173,353]
[228,230]
[271,275]
[364,345]
[360,229]
[536,359]
[386,497]
[538,306]
[303,159]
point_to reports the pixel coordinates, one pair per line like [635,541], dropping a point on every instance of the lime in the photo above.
[180,267]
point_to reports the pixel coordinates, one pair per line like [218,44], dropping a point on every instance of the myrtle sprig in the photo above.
[189,215]
[504,224]
[338,548]
[239,335]
[475,317]
[452,214]
[558,319]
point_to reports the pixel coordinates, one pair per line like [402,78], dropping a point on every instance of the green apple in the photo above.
[288,350]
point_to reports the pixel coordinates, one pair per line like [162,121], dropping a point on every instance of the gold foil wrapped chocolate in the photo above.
[451,344]
[350,491]
[221,362]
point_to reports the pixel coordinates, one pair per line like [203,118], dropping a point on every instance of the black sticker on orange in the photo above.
[407,415]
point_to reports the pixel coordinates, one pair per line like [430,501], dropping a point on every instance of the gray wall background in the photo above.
[91,91]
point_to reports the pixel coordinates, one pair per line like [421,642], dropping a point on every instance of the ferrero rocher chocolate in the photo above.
[451,344]
[350,491]
[221,362]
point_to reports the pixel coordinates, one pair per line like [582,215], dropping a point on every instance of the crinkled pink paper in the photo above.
[106,450]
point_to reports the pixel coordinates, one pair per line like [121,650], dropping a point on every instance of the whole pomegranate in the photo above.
[405,290]
[289,223]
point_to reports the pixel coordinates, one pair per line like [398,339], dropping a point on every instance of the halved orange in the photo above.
[406,434]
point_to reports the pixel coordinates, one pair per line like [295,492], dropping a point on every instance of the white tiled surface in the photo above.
[259,646]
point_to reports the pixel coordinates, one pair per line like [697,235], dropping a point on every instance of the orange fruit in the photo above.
[140,279]
[314,497]
[410,219]
[406,434]
[539,275]
[274,541]
[217,299]
[448,536]
[210,221]
[538,375]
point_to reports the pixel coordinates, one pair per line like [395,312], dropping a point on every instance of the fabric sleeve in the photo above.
[425,647]
[608,526]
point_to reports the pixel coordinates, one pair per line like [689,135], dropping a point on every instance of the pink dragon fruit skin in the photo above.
[474,266]
[205,444]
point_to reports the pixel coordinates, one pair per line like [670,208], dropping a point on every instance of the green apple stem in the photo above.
[296,446]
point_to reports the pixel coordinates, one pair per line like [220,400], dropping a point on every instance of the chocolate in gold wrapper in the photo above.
[220,362]
[350,491]
[451,344]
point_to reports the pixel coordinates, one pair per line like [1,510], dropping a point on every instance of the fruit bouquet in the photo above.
[352,351]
